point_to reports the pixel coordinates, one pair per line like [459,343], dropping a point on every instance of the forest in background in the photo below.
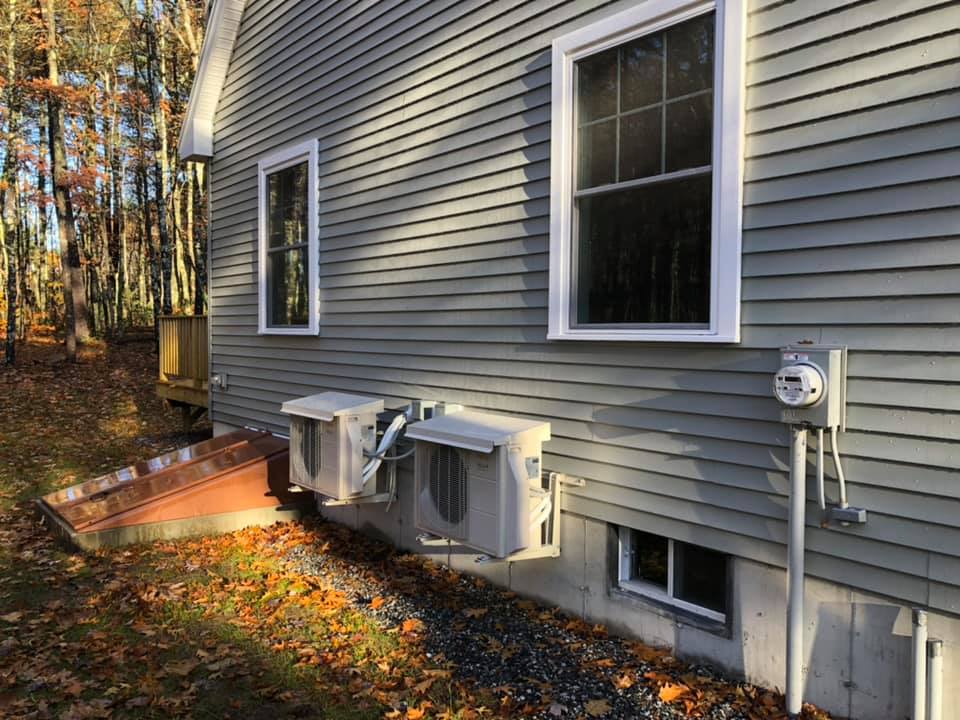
[103,227]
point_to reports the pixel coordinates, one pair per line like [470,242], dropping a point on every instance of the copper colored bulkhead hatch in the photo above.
[230,481]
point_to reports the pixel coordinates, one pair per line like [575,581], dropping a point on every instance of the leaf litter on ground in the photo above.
[300,620]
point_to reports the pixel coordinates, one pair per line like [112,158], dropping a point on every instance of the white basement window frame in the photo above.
[649,17]
[663,594]
[304,152]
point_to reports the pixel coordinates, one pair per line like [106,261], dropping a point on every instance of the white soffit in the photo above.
[196,136]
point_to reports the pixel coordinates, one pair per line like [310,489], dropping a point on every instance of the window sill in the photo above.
[288,331]
[678,611]
[607,334]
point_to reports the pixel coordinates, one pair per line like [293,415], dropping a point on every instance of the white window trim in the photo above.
[729,63]
[655,592]
[278,161]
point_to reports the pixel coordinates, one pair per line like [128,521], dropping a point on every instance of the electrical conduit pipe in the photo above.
[919,665]
[935,680]
[795,571]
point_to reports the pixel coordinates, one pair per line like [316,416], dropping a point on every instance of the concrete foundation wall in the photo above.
[857,646]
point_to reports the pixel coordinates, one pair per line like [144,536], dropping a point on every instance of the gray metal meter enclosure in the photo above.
[830,362]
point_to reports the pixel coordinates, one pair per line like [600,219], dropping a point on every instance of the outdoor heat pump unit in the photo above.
[330,433]
[478,482]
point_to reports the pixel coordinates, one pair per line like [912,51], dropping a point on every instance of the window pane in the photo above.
[288,293]
[689,139]
[641,69]
[640,144]
[287,206]
[649,561]
[597,86]
[274,210]
[598,153]
[700,576]
[644,254]
[690,56]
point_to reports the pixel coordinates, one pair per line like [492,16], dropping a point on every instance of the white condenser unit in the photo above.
[329,433]
[478,480]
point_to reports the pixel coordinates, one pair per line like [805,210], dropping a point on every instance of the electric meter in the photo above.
[811,385]
[799,386]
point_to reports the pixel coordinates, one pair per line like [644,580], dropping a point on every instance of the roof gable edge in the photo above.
[196,135]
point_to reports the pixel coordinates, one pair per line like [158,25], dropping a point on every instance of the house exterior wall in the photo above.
[433,121]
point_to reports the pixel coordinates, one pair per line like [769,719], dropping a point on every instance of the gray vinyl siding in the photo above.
[433,120]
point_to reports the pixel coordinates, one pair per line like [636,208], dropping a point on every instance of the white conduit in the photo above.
[919,665]
[935,680]
[821,493]
[795,570]
[836,463]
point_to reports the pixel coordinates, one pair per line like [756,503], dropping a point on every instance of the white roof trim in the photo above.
[196,136]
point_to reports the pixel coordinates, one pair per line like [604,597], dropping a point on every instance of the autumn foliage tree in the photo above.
[103,227]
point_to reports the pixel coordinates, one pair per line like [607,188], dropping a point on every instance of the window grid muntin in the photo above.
[273,251]
[573,309]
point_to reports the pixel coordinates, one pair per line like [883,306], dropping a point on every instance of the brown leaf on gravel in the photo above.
[597,708]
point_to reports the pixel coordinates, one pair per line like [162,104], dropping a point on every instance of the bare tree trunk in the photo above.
[74,294]
[43,294]
[9,222]
[159,161]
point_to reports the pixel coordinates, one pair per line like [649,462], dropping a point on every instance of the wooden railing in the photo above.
[183,348]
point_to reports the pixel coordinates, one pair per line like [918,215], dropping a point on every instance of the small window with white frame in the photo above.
[675,573]
[288,247]
[646,175]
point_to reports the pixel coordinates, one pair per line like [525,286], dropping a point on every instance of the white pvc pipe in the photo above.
[821,492]
[795,571]
[841,480]
[935,680]
[919,665]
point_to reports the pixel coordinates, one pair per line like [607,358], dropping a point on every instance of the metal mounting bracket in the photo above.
[363,500]
[429,540]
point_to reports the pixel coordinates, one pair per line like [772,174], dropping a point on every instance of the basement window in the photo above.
[647,116]
[287,224]
[675,573]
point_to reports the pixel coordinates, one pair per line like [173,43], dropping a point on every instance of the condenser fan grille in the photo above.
[305,450]
[448,484]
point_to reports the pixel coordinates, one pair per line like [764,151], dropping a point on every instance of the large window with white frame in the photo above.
[674,573]
[646,175]
[288,224]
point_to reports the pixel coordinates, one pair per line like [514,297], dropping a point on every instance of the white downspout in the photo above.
[795,571]
[919,665]
[935,680]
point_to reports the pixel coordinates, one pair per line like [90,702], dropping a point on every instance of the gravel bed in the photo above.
[489,637]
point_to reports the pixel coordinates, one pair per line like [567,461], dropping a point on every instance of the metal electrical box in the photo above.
[830,363]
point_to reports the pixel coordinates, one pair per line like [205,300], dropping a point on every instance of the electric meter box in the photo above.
[811,385]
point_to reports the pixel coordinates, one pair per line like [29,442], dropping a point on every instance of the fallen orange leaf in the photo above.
[670,692]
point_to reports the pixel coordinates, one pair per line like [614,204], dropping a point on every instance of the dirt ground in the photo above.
[303,620]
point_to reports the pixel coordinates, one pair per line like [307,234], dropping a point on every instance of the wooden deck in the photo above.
[184,362]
